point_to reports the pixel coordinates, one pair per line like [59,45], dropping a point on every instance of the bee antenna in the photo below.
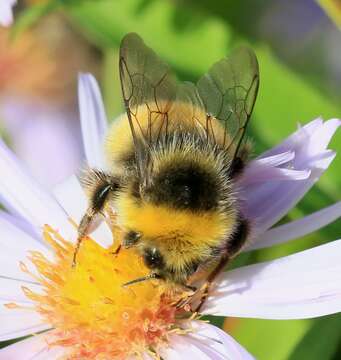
[144,278]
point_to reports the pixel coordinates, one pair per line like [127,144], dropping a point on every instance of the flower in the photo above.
[50,136]
[85,312]
[6,15]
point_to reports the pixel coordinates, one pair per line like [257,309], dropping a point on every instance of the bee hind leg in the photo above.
[232,248]
[99,186]
[207,284]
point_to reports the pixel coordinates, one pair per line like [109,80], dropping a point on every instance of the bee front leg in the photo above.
[83,229]
[99,186]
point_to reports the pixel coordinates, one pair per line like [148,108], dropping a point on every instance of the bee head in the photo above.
[153,258]
[151,255]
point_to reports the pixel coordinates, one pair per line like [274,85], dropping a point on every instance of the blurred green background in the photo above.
[299,51]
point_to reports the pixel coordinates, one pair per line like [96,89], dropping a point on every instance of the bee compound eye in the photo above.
[131,238]
[153,258]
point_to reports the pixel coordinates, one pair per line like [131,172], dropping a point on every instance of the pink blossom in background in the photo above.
[6,12]
[38,108]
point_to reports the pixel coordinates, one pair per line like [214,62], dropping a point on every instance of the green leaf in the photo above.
[270,339]
[106,22]
[321,341]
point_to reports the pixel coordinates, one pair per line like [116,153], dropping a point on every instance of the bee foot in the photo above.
[117,250]
[204,290]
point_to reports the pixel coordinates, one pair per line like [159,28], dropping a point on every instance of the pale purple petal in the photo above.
[11,289]
[296,139]
[179,348]
[50,354]
[17,323]
[93,119]
[21,224]
[46,138]
[73,199]
[277,159]
[15,245]
[304,285]
[24,196]
[265,201]
[6,12]
[205,342]
[297,228]
[266,168]
[33,348]
[15,239]
[217,340]
[264,173]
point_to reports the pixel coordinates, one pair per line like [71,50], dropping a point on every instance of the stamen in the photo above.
[92,314]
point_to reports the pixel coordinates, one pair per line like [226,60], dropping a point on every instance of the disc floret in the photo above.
[92,314]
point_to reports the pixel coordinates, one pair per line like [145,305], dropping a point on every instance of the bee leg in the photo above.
[237,167]
[233,247]
[82,231]
[190,288]
[206,286]
[238,163]
[117,250]
[188,293]
[99,186]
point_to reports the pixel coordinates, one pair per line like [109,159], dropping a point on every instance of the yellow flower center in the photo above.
[92,314]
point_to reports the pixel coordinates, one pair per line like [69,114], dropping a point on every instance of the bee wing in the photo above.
[228,91]
[145,80]
[187,93]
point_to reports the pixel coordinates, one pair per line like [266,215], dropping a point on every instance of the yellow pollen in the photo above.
[92,315]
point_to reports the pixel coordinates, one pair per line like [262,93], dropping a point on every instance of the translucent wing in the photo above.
[229,91]
[147,84]
[187,94]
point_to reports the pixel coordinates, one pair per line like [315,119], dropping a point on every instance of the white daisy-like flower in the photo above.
[6,12]
[48,142]
[84,312]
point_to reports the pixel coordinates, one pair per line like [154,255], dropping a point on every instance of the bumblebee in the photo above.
[173,162]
